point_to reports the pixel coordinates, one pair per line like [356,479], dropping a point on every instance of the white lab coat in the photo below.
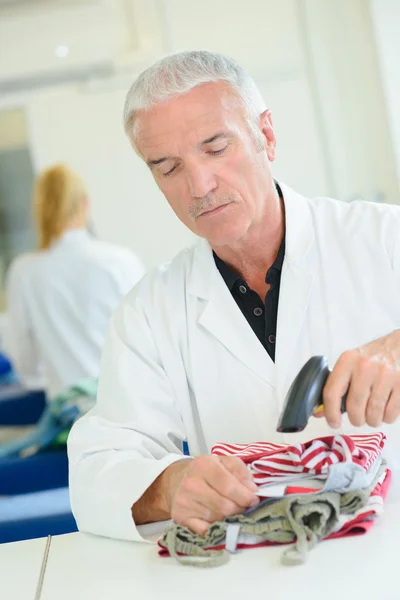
[59,302]
[181,361]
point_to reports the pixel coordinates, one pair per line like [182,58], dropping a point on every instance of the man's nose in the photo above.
[200,179]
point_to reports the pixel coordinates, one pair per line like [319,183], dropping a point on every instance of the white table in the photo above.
[366,567]
[20,564]
[83,566]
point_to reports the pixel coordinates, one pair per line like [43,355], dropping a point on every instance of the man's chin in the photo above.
[222,238]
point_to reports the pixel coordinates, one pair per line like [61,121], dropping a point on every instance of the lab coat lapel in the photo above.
[221,317]
[296,284]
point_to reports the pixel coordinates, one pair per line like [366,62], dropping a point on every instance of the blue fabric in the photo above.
[37,504]
[5,365]
[19,406]
[36,515]
[8,379]
[43,471]
[57,418]
[45,432]
[28,529]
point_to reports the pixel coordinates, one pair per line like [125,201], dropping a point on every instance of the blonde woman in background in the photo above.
[59,299]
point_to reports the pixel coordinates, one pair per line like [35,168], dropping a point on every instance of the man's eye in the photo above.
[169,172]
[215,152]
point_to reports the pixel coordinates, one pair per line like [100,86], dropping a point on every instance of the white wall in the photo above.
[386,22]
[291,47]
[346,79]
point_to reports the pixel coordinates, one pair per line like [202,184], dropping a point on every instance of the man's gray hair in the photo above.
[179,73]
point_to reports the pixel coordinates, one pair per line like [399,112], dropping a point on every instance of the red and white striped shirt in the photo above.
[273,462]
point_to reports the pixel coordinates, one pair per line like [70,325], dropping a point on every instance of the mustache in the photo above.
[208,202]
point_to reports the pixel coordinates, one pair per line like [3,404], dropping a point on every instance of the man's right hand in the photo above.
[207,489]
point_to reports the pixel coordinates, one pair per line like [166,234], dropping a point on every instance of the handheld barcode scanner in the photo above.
[305,396]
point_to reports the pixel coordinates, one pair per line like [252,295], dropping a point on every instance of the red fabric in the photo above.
[293,489]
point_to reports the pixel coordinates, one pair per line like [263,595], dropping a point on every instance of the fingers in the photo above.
[239,470]
[392,409]
[197,525]
[231,479]
[379,397]
[336,386]
[210,505]
[362,381]
[212,489]
[319,412]
[188,512]
[373,391]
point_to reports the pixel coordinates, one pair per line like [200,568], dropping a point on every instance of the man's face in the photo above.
[207,163]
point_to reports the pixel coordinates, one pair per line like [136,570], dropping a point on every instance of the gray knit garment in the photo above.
[304,519]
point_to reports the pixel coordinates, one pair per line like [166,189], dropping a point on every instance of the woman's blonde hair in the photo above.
[58,198]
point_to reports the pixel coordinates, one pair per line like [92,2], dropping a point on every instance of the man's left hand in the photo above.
[371,374]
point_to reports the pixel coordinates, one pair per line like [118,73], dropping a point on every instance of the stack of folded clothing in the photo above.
[326,488]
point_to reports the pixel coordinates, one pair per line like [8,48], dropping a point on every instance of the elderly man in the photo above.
[205,348]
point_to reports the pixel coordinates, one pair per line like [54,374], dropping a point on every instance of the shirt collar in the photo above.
[227,274]
[280,256]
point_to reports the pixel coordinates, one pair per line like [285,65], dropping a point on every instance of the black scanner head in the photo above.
[304,395]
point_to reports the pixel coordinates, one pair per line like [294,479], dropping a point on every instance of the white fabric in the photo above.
[341,477]
[59,302]
[232,537]
[181,361]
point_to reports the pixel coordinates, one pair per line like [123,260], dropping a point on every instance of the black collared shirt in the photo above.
[261,316]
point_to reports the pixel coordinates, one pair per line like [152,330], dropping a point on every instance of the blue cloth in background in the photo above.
[56,419]
[5,365]
[47,429]
[34,496]
[7,375]
[20,407]
[36,515]
[37,504]
[8,379]
[43,471]
[37,527]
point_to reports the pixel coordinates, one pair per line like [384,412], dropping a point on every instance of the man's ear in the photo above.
[267,130]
